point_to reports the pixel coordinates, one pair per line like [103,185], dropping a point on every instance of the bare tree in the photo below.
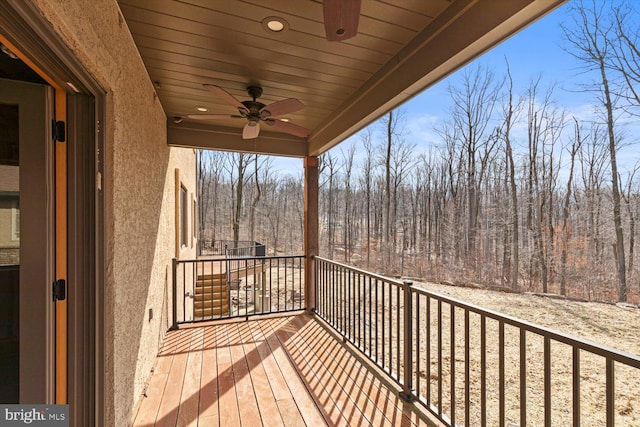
[367,170]
[591,39]
[511,111]
[238,171]
[210,164]
[625,58]
[393,123]
[261,171]
[544,125]
[390,123]
[566,230]
[347,224]
[474,101]
[402,162]
[330,169]
[628,196]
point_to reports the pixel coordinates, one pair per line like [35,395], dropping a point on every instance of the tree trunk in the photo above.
[566,232]
[617,217]
[239,194]
[254,204]
[387,182]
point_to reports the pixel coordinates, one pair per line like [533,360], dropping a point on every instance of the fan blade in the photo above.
[251,130]
[289,128]
[213,116]
[341,19]
[223,94]
[280,108]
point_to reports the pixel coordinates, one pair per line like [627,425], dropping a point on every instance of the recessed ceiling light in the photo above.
[275,24]
[202,109]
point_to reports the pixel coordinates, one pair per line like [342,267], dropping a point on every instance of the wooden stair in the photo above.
[211,297]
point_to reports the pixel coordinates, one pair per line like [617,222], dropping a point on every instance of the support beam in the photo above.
[311,246]
[210,137]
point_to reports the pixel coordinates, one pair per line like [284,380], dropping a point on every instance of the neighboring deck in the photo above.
[280,371]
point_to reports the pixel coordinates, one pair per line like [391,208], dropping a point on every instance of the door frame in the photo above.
[25,31]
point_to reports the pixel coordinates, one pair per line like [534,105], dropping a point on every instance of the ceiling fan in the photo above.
[341,18]
[255,112]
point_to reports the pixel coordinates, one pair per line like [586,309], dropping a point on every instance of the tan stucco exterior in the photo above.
[139,186]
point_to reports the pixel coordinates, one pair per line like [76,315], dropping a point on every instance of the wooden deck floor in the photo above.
[285,371]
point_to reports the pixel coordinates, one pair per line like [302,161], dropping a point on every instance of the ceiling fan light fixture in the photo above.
[251,130]
[275,24]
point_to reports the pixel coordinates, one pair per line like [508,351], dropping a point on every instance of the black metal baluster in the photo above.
[576,386]
[452,339]
[547,381]
[467,373]
[428,362]
[501,372]
[523,377]
[440,357]
[483,370]
[418,352]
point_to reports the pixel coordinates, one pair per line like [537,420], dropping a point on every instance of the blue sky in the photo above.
[536,50]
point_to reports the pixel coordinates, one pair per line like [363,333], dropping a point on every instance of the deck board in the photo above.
[229,412]
[281,371]
[295,388]
[208,405]
[356,408]
[190,398]
[249,412]
[371,402]
[269,409]
[170,403]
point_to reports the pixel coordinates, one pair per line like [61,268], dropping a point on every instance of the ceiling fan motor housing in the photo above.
[255,92]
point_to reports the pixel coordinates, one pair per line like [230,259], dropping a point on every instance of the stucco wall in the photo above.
[139,194]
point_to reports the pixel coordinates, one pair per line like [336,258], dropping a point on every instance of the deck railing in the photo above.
[251,249]
[220,247]
[471,366]
[207,289]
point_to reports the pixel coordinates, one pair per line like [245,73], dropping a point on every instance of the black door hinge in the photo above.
[58,131]
[59,290]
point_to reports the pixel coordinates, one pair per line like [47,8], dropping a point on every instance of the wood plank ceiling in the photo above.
[401,48]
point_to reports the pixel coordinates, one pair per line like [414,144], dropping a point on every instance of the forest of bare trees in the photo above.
[513,192]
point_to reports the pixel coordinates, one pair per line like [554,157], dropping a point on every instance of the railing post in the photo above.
[174,286]
[311,242]
[310,284]
[407,392]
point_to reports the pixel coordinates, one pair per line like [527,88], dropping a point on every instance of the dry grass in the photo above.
[605,324]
